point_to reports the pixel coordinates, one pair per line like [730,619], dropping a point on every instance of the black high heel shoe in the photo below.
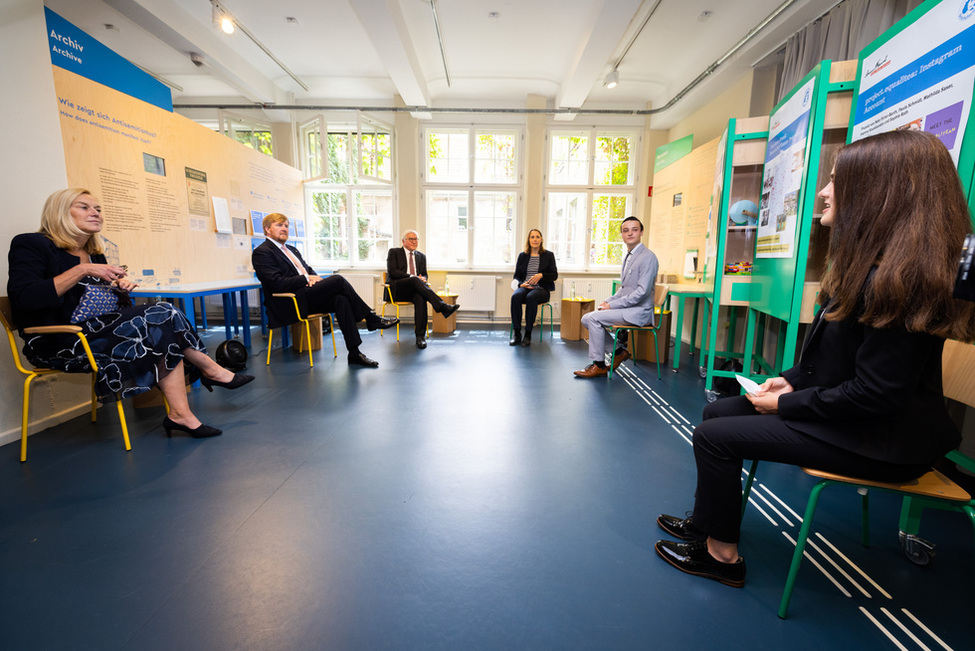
[236,382]
[201,432]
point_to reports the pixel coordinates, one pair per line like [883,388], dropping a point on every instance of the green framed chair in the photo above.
[958,378]
[932,489]
[305,321]
[659,297]
[6,317]
[541,321]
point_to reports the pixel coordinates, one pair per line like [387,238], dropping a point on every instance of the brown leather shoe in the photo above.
[620,358]
[592,371]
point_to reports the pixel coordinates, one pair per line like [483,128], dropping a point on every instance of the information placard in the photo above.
[784,166]
[920,75]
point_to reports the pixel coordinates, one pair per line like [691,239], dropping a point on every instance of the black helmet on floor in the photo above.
[232,355]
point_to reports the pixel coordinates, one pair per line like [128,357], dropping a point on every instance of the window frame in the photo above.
[591,189]
[374,127]
[315,125]
[227,124]
[470,187]
[353,190]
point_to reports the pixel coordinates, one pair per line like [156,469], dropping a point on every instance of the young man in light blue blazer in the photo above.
[631,304]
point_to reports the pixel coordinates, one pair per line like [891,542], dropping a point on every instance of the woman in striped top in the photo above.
[535,274]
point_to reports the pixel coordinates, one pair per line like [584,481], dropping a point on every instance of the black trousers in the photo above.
[732,431]
[531,299]
[415,290]
[334,294]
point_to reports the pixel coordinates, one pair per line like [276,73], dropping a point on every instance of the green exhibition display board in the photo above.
[787,200]
[732,224]
[920,74]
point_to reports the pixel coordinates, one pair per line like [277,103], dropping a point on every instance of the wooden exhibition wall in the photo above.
[156,174]
[679,209]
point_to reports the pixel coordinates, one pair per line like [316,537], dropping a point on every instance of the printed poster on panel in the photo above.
[785,160]
[921,77]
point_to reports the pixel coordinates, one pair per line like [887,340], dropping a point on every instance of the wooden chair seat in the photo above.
[932,484]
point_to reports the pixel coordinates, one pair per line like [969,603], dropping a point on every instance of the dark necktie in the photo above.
[412,264]
[625,260]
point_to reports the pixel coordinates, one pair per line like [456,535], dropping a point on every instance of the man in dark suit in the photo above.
[406,274]
[280,268]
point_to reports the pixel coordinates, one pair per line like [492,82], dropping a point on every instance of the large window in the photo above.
[591,188]
[470,186]
[349,203]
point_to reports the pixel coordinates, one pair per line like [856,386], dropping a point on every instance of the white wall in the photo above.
[33,166]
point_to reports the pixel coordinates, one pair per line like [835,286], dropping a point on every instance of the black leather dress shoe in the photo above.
[682,529]
[361,360]
[527,341]
[515,340]
[421,343]
[448,310]
[693,558]
[376,322]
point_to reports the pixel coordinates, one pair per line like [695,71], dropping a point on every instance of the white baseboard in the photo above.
[38,425]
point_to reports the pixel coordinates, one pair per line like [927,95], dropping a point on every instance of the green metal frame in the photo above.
[541,322]
[718,270]
[788,275]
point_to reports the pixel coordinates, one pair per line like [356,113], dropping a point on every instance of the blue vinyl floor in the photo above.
[467,496]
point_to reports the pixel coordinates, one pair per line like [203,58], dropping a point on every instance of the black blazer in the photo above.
[278,275]
[875,392]
[398,270]
[546,267]
[34,262]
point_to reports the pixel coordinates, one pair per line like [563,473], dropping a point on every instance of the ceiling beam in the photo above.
[384,23]
[595,50]
[177,28]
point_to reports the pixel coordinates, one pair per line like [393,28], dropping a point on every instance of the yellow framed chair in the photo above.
[932,488]
[6,316]
[659,297]
[306,322]
[388,300]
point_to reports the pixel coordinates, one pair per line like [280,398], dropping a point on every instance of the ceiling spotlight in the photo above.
[222,17]
[612,79]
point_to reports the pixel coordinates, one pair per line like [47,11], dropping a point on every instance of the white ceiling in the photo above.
[497,52]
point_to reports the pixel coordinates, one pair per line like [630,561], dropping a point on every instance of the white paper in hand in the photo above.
[747,384]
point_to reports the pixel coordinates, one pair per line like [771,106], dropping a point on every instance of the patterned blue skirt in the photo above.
[134,348]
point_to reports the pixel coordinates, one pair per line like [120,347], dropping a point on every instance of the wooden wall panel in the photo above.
[675,229]
[112,141]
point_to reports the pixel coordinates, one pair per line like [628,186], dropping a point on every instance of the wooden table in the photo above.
[570,327]
[442,325]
